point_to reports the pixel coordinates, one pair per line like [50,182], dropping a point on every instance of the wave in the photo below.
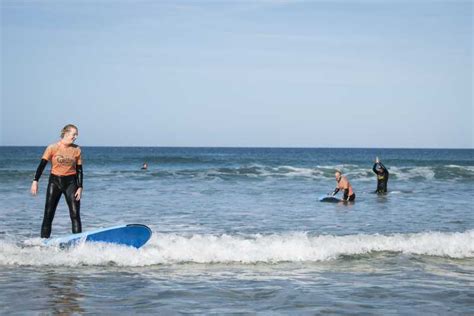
[354,172]
[252,249]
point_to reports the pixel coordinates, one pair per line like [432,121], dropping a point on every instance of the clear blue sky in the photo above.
[238,73]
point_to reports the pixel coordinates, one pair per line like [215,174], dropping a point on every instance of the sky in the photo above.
[262,73]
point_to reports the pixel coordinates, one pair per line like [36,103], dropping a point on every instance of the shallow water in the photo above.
[241,230]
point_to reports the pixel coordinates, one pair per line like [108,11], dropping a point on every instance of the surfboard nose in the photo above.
[133,235]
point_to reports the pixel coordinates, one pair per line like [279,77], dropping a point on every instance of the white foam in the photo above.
[363,173]
[406,173]
[341,167]
[468,168]
[295,247]
[290,171]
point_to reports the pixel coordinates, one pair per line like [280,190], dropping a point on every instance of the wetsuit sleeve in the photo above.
[335,191]
[79,175]
[374,168]
[79,156]
[40,169]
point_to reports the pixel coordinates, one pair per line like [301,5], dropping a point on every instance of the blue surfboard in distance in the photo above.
[132,235]
[329,199]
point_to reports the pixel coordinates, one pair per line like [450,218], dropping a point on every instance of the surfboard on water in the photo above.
[329,199]
[132,235]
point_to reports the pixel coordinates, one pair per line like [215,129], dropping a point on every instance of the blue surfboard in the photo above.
[132,235]
[329,199]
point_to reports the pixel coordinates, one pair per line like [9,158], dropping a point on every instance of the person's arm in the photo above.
[374,168]
[40,169]
[79,176]
[346,193]
[39,172]
[335,191]
[344,184]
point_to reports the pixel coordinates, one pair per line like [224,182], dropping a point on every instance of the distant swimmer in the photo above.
[145,166]
[65,178]
[343,184]
[382,176]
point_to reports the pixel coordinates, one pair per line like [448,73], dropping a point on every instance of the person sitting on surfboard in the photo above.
[382,176]
[65,178]
[343,184]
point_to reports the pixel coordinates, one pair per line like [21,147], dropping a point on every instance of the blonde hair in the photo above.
[67,128]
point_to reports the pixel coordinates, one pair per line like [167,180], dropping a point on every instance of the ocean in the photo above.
[241,230]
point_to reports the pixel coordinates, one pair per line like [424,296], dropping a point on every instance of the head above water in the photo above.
[69,134]
[338,175]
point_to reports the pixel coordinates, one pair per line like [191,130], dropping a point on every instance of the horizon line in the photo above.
[251,147]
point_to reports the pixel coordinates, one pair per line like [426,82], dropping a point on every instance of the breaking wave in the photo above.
[252,249]
[257,171]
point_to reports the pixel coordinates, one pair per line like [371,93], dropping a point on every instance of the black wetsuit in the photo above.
[57,186]
[382,177]
[346,196]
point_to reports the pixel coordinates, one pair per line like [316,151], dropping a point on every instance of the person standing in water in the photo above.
[65,178]
[382,176]
[344,184]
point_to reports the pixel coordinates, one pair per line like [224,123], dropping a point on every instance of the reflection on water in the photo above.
[64,295]
[432,285]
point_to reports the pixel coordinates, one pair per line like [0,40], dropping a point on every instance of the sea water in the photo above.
[241,230]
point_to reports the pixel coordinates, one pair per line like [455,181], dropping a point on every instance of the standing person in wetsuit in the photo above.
[343,184]
[382,176]
[65,178]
